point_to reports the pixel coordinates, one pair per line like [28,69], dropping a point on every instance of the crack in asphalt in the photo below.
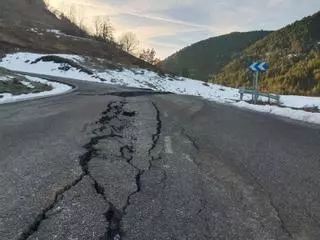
[92,151]
[268,195]
[34,226]
[83,161]
[191,139]
[156,135]
[282,222]
[272,204]
[113,215]
[155,139]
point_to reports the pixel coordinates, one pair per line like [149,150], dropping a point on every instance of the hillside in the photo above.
[27,25]
[208,57]
[32,13]
[293,55]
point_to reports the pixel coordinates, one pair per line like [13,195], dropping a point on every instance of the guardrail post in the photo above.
[256,88]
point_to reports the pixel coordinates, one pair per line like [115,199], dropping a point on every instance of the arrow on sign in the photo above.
[263,66]
[254,67]
[259,67]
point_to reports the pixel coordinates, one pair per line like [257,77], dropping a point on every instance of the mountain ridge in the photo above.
[292,53]
[207,57]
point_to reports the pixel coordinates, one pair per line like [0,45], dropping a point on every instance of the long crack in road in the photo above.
[114,128]
[137,166]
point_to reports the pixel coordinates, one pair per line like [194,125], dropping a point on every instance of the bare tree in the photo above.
[103,28]
[80,17]
[129,42]
[76,15]
[72,17]
[47,3]
[156,61]
[149,55]
[72,13]
[97,24]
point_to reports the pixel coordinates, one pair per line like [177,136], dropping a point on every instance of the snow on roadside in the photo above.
[283,112]
[147,79]
[141,78]
[58,88]
[22,60]
[300,101]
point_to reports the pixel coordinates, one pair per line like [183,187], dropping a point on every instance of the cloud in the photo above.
[168,25]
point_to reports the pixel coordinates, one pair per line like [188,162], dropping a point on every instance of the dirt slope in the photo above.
[19,17]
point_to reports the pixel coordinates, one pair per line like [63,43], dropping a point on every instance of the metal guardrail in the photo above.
[256,94]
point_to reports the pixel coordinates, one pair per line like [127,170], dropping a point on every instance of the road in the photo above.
[105,162]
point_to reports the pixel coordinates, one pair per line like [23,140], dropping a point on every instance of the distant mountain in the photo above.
[293,54]
[206,58]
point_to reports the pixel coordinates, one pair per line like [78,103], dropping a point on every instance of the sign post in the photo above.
[257,67]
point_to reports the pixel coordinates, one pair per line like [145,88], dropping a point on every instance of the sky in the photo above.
[169,25]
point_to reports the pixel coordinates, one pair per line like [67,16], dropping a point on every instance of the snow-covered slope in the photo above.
[141,78]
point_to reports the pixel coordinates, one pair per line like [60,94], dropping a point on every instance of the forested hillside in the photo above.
[293,54]
[206,58]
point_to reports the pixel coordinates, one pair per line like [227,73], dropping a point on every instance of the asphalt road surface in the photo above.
[104,162]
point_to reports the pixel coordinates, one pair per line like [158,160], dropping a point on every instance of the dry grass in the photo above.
[15,85]
[30,13]
[15,38]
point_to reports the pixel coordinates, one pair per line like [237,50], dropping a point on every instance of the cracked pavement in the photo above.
[112,163]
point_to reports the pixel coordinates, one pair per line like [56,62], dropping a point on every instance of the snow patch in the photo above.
[284,112]
[142,78]
[35,30]
[4,78]
[300,101]
[27,84]
[55,31]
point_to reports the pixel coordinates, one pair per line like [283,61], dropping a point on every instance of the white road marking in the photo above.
[165,114]
[168,145]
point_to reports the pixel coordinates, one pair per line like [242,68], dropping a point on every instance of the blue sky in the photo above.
[168,25]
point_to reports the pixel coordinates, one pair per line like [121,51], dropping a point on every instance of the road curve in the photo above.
[106,162]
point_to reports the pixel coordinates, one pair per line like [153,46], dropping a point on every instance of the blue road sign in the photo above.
[254,67]
[259,67]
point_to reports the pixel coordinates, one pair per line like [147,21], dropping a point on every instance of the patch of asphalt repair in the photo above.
[114,111]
